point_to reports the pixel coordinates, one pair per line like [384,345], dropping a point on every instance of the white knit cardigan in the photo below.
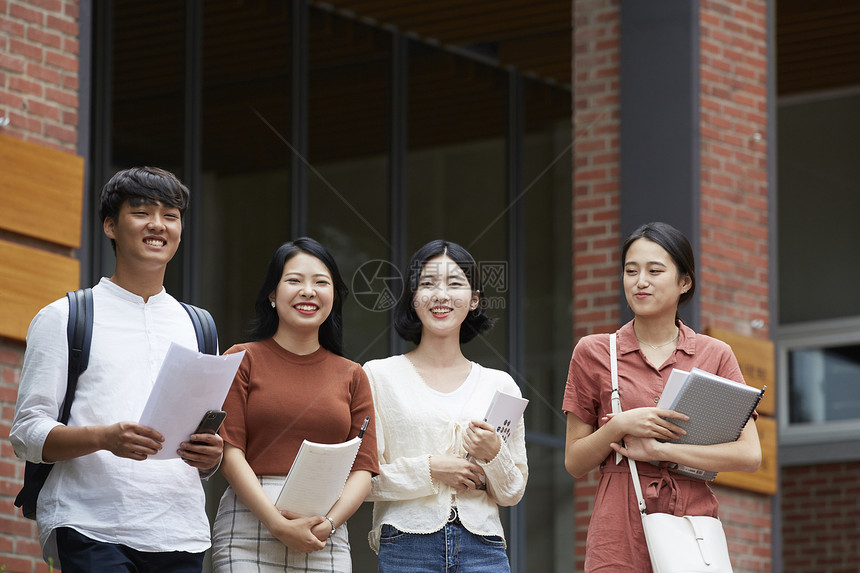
[411,426]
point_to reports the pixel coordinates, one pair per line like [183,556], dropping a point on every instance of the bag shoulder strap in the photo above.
[613,368]
[616,408]
[79,332]
[204,328]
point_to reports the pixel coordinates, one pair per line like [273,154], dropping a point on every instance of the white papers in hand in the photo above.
[317,477]
[188,385]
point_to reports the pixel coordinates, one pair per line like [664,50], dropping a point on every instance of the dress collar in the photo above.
[686,339]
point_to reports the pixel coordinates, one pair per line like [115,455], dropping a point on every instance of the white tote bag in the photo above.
[676,544]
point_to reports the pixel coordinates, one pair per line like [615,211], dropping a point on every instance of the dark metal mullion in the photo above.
[299,118]
[516,259]
[397,197]
[100,250]
[776,515]
[87,23]
[192,165]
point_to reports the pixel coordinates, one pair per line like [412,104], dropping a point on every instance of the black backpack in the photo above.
[80,334]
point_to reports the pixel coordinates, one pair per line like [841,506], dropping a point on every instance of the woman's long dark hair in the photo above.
[265,322]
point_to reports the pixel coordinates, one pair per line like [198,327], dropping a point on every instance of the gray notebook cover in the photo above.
[718,409]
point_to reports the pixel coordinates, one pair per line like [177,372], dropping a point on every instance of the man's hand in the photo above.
[131,440]
[202,456]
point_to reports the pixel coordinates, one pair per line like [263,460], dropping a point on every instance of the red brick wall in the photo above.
[39,71]
[596,228]
[39,96]
[596,110]
[734,205]
[821,510]
[733,263]
[734,209]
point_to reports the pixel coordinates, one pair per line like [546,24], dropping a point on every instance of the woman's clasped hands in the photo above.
[641,428]
[302,534]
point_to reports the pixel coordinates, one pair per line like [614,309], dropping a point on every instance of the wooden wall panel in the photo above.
[765,479]
[41,192]
[30,279]
[758,365]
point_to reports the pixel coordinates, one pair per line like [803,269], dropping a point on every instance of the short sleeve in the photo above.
[581,392]
[234,431]
[361,407]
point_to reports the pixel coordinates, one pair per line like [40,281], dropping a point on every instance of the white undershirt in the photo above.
[454,401]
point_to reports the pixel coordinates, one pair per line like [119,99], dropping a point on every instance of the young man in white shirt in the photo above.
[104,507]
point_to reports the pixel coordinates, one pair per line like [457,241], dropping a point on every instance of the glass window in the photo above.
[147,99]
[347,176]
[820,368]
[456,164]
[245,194]
[819,197]
[456,173]
[548,317]
[824,384]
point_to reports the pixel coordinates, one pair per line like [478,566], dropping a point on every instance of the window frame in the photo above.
[813,334]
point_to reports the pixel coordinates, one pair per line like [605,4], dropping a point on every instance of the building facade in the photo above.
[535,134]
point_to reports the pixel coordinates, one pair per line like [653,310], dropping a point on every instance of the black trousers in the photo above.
[80,554]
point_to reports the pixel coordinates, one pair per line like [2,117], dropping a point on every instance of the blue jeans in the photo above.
[452,549]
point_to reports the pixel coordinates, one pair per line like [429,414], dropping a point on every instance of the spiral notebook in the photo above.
[718,409]
[317,477]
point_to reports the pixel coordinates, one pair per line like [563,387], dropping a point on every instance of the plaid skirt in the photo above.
[240,543]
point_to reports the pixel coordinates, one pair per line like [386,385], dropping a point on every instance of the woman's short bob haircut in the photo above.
[675,243]
[265,322]
[406,321]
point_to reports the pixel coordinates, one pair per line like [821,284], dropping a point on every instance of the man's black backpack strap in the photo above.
[204,327]
[79,332]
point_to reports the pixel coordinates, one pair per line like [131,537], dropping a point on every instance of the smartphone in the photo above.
[210,424]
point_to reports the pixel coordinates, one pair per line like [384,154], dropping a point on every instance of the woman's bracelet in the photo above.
[333,528]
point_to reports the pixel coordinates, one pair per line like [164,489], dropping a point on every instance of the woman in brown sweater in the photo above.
[293,384]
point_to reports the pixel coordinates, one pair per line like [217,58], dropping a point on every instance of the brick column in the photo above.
[39,96]
[596,241]
[733,264]
[734,202]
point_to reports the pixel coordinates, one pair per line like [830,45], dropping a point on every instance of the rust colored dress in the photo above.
[616,541]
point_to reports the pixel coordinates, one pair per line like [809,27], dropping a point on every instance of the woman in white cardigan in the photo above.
[434,508]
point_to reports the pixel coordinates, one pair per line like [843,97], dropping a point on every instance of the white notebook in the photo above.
[317,477]
[718,409]
[505,412]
